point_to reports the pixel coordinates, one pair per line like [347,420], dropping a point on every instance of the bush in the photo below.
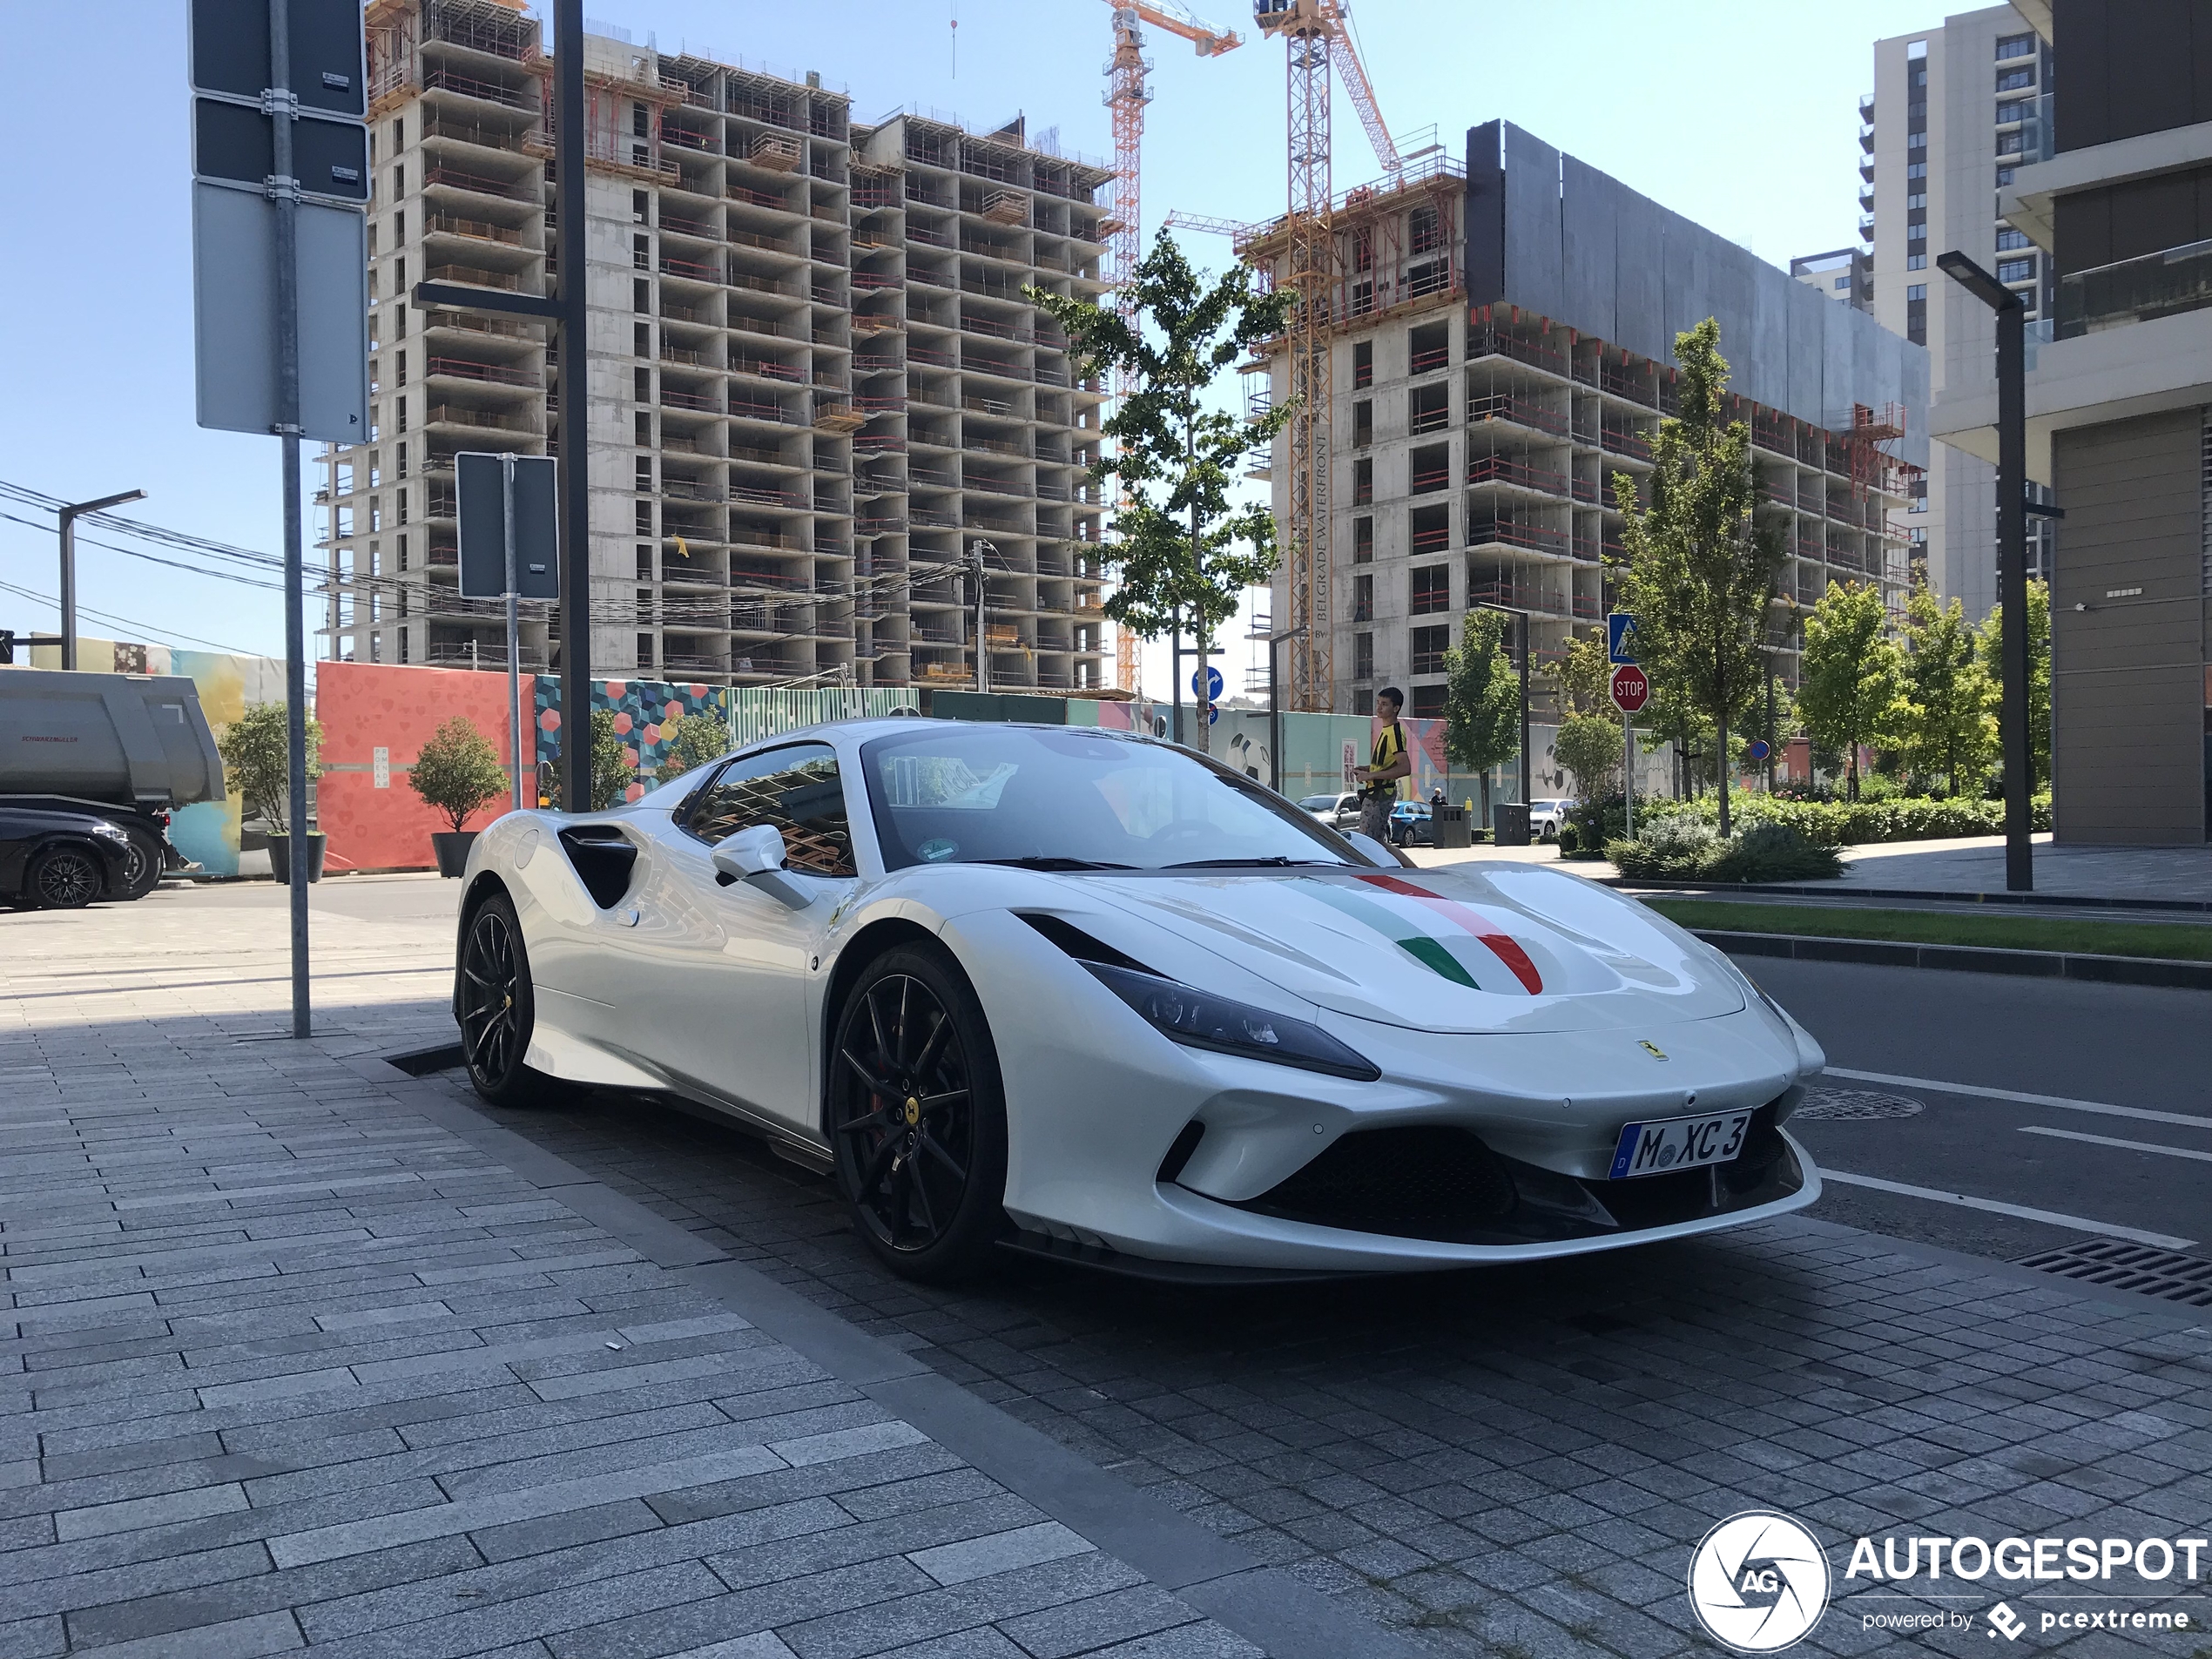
[1684,848]
[1840,823]
[1567,839]
[457,772]
[257,750]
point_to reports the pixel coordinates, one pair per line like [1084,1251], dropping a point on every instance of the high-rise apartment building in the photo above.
[815,381]
[1504,349]
[2119,415]
[1844,274]
[1955,111]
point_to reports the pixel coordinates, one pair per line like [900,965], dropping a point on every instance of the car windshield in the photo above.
[1071,798]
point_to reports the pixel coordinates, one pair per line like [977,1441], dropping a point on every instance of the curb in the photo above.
[1966,959]
[2070,900]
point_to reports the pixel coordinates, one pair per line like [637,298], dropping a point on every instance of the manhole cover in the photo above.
[1856,1102]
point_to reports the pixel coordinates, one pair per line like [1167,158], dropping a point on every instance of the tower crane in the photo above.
[1315,34]
[1127,95]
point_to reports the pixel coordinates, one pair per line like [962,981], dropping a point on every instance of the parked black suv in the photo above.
[57,861]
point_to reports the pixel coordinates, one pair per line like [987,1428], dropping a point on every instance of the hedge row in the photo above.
[1841,823]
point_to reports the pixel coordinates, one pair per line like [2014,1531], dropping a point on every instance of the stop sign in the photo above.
[1630,689]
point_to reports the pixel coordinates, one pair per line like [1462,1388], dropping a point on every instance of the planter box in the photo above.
[452,850]
[281,856]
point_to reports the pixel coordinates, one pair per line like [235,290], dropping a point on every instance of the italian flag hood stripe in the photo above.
[1423,946]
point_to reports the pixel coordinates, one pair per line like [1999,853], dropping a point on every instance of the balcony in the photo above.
[1504,469]
[2164,284]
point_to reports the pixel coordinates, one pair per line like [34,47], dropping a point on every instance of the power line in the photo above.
[126,622]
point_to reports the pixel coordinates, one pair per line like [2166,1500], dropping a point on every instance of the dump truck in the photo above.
[128,748]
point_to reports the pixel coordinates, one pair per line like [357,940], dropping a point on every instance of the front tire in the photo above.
[917,1116]
[496,1006]
[64,877]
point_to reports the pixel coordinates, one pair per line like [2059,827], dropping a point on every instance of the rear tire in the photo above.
[498,1012]
[64,877]
[142,867]
[917,1116]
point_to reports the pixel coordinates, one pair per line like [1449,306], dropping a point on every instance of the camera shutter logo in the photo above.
[1758,1582]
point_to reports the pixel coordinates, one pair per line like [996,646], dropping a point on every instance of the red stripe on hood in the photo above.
[1505,948]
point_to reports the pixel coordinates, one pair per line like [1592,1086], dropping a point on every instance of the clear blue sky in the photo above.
[1738,113]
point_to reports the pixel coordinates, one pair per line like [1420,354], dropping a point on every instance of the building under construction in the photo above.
[1501,338]
[815,383]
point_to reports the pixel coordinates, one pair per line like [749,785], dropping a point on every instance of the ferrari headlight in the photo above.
[1201,1020]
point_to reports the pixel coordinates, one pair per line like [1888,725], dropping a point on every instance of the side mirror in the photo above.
[756,856]
[1382,855]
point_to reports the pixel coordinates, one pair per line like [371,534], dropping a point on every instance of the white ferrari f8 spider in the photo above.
[1093,996]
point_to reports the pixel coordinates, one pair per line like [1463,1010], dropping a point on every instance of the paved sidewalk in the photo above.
[305,1353]
[295,1351]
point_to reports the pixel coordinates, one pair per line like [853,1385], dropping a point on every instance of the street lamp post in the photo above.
[69,516]
[2012,551]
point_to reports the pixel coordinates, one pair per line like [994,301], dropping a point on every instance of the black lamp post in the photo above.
[2012,551]
[69,516]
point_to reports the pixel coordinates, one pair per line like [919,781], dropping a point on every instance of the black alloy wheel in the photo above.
[495,1005]
[918,1116]
[64,877]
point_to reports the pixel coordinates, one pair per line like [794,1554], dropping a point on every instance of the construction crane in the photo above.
[1127,95]
[1315,33]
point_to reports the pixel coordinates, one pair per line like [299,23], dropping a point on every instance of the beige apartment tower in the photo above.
[816,384]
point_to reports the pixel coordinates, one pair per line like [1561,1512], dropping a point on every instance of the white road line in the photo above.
[2019,1211]
[2059,1101]
[2130,1146]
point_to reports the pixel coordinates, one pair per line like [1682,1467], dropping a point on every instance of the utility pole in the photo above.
[69,516]
[575,415]
[982,648]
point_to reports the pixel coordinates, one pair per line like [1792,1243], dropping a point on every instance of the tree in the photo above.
[2039,675]
[1947,724]
[1850,679]
[257,755]
[457,772]
[698,738]
[1591,747]
[1182,557]
[612,770]
[1701,562]
[1481,699]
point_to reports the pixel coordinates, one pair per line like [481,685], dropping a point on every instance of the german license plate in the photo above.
[1679,1144]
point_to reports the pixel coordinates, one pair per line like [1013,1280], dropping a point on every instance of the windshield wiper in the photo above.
[1052,861]
[1272,861]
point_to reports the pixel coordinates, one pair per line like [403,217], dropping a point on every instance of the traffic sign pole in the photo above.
[514,625]
[286,188]
[1627,774]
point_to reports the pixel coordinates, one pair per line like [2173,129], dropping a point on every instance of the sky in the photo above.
[1739,114]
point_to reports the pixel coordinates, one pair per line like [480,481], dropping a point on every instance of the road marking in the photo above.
[2059,1101]
[2106,1140]
[2019,1211]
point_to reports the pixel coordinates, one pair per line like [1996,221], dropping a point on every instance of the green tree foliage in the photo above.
[257,754]
[1582,679]
[2039,674]
[1948,724]
[1701,562]
[1481,699]
[611,772]
[457,772]
[700,739]
[1850,679]
[1591,747]
[1182,557]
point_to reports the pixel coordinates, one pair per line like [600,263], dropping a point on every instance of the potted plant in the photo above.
[256,756]
[457,773]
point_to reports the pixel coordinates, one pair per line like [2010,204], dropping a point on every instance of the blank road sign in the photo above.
[230,53]
[230,141]
[479,506]
[234,306]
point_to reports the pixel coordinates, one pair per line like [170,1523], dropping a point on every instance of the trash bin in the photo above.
[1448,826]
[1510,823]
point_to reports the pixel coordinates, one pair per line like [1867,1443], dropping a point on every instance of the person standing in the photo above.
[1387,762]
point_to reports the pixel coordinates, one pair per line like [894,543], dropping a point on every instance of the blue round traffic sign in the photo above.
[1760,749]
[1206,684]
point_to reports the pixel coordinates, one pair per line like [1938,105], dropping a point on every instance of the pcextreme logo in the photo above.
[1758,1582]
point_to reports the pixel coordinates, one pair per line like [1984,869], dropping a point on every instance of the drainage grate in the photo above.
[2115,1266]
[1857,1102]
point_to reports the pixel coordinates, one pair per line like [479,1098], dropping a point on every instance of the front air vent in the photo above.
[603,859]
[1080,945]
[1425,1180]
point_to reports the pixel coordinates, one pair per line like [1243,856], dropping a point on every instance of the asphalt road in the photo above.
[2140,1049]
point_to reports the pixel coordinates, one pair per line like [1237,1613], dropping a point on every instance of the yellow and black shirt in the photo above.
[1390,743]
